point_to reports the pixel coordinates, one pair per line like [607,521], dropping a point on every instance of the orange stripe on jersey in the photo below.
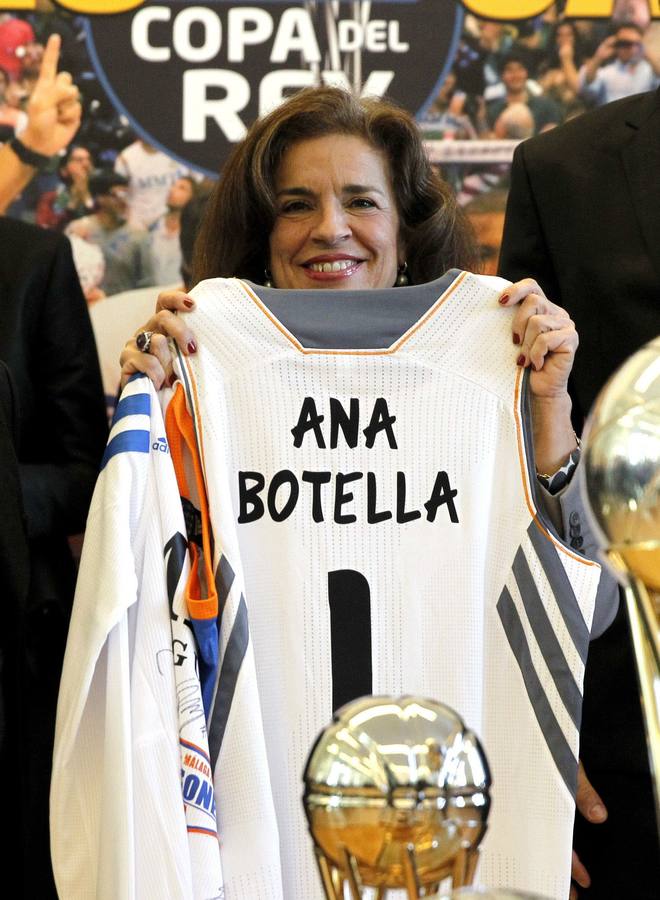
[382,352]
[525,474]
[176,444]
[181,436]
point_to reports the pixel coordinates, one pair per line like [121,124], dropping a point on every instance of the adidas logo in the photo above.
[160,445]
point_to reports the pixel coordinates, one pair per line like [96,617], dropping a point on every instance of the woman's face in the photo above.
[337,224]
[564,35]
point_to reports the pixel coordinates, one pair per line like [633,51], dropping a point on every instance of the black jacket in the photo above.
[583,218]
[47,344]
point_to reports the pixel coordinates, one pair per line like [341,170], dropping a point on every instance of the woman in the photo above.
[559,76]
[325,548]
[250,229]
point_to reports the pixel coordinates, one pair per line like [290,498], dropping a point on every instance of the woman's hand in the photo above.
[156,361]
[546,337]
[547,341]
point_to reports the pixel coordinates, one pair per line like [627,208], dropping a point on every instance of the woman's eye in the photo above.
[362,203]
[295,206]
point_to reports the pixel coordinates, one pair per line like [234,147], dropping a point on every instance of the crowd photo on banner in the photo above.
[99,227]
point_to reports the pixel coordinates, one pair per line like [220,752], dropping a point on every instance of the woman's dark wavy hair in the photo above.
[233,239]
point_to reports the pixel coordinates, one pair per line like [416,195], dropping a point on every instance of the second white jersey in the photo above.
[375,531]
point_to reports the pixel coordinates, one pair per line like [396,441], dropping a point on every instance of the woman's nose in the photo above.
[332,224]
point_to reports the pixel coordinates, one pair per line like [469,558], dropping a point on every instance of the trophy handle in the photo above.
[327,880]
[410,873]
[352,874]
[471,865]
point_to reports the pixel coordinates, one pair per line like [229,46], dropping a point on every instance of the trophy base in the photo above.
[460,871]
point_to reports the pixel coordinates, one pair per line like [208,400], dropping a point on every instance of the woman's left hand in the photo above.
[546,337]
[547,341]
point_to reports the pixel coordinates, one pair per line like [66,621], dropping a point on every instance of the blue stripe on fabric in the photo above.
[133,405]
[206,635]
[136,441]
[558,746]
[546,639]
[561,587]
[231,666]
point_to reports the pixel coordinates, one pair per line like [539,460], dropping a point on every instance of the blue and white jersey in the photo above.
[132,801]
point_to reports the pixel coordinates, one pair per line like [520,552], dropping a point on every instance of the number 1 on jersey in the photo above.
[350,635]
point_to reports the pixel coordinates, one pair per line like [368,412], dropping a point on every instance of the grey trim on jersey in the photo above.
[557,744]
[224,578]
[556,513]
[545,636]
[371,319]
[561,587]
[231,666]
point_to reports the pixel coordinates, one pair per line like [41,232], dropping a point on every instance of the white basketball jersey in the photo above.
[368,476]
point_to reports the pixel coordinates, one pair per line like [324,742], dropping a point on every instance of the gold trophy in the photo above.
[396,796]
[622,489]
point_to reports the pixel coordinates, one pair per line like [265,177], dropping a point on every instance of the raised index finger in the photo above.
[50,59]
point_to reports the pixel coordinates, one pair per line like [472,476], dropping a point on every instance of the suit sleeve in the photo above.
[71,417]
[524,252]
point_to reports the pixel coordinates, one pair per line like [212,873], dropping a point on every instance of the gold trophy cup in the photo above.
[622,488]
[396,796]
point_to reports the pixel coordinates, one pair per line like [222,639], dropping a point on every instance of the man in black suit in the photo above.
[52,435]
[47,344]
[583,218]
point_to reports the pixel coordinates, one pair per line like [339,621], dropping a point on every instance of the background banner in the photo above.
[169,87]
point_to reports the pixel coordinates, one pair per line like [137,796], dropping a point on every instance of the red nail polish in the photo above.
[521,360]
[192,347]
[188,303]
[516,339]
[504,298]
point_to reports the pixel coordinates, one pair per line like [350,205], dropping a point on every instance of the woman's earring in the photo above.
[402,276]
[268,278]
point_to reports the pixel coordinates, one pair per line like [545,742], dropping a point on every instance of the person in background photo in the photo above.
[125,248]
[514,73]
[164,233]
[72,198]
[151,174]
[486,215]
[15,35]
[619,67]
[12,118]
[559,73]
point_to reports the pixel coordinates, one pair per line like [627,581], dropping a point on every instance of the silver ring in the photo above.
[143,341]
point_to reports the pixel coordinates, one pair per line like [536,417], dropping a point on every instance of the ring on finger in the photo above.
[143,341]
